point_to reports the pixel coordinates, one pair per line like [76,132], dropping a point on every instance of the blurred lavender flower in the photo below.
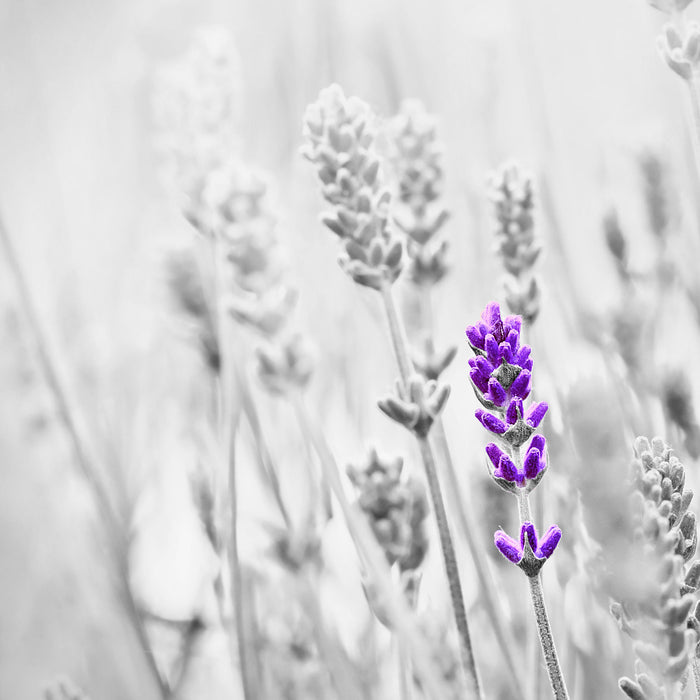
[419,212]
[196,107]
[512,197]
[529,553]
[340,143]
[228,202]
[678,405]
[64,689]
[396,507]
[658,615]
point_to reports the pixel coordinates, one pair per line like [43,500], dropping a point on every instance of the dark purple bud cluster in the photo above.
[530,553]
[511,477]
[501,375]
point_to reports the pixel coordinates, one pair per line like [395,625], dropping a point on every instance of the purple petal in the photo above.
[497,392]
[480,382]
[505,352]
[549,542]
[531,465]
[507,546]
[495,453]
[523,355]
[535,413]
[513,323]
[507,469]
[475,337]
[522,384]
[485,367]
[527,365]
[491,348]
[513,339]
[491,314]
[490,422]
[527,529]
[538,442]
[514,411]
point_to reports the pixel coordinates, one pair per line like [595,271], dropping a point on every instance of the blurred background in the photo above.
[576,92]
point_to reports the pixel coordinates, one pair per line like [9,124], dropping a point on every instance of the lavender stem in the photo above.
[544,629]
[546,640]
[398,337]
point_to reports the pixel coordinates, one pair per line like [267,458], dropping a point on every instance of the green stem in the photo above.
[400,344]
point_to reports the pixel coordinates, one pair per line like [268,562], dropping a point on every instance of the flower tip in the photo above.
[549,542]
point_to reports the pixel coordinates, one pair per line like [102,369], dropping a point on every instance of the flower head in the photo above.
[529,553]
[502,367]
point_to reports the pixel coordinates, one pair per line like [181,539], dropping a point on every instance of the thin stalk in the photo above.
[694,92]
[451,568]
[546,640]
[460,505]
[544,629]
[400,344]
[372,559]
[226,423]
[696,677]
[74,424]
[484,576]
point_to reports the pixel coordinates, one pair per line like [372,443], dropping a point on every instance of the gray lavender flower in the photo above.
[529,553]
[419,212]
[658,614]
[511,193]
[396,507]
[340,143]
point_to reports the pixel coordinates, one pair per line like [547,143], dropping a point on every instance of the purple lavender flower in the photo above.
[502,367]
[529,554]
[509,476]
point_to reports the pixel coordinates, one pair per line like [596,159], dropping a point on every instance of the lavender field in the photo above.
[350,350]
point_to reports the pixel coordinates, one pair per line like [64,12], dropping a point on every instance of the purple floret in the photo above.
[535,413]
[515,551]
[507,546]
[490,422]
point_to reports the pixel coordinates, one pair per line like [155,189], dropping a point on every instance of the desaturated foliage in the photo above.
[352,352]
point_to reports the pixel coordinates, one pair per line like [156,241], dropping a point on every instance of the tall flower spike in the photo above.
[529,553]
[340,138]
[511,193]
[659,617]
[420,214]
[396,507]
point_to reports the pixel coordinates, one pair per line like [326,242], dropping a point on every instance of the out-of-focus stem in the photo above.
[451,568]
[484,576]
[74,423]
[694,91]
[227,378]
[398,337]
[372,558]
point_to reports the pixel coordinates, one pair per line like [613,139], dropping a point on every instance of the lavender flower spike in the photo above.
[529,554]
[502,367]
